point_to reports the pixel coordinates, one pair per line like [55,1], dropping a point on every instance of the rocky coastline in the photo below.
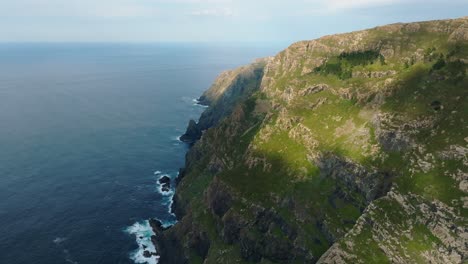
[331,152]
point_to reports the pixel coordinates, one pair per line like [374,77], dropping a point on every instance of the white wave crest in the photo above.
[59,240]
[176,138]
[143,233]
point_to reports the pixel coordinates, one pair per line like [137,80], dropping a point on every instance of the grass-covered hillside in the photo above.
[350,148]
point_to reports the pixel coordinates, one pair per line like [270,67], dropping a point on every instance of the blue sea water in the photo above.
[85,132]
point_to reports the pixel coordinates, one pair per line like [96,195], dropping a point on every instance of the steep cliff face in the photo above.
[350,148]
[228,89]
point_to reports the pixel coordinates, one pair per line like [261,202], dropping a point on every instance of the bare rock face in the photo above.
[373,74]
[229,88]
[450,240]
[393,140]
[371,184]
[461,33]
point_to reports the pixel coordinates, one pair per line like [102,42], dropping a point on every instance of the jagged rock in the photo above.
[373,74]
[313,89]
[192,134]
[371,184]
[393,140]
[167,244]
[165,183]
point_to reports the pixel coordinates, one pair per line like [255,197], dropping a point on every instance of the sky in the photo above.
[207,20]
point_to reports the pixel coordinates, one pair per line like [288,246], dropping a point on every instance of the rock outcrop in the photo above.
[228,89]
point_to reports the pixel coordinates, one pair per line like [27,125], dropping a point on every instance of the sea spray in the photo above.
[146,252]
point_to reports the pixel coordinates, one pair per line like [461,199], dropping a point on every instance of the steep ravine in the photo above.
[351,148]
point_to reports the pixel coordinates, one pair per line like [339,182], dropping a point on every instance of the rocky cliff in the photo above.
[350,148]
[228,89]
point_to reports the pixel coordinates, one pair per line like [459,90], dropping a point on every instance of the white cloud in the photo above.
[217,12]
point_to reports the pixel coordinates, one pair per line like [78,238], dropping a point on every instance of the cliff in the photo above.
[228,89]
[351,148]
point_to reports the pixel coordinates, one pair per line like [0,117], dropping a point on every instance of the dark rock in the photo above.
[277,248]
[268,237]
[165,182]
[436,105]
[248,246]
[200,243]
[167,244]
[177,208]
[218,197]
[147,254]
[203,100]
[156,225]
[357,178]
[232,224]
[192,134]
[180,176]
[393,141]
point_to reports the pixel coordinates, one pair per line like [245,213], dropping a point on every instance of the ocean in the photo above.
[86,130]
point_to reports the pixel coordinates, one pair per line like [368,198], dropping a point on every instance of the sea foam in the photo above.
[176,138]
[59,240]
[168,196]
[143,233]
[196,102]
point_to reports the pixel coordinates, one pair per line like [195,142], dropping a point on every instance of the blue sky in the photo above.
[207,20]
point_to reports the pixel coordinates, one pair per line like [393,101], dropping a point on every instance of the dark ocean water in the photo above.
[83,129]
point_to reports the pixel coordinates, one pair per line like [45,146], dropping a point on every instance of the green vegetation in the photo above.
[342,65]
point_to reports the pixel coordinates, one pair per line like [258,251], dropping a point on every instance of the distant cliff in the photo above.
[351,148]
[229,88]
